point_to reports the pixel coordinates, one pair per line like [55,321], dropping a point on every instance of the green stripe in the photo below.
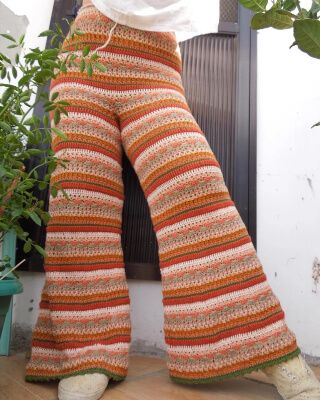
[43,378]
[95,224]
[200,206]
[167,128]
[91,144]
[123,49]
[82,302]
[90,183]
[224,330]
[240,372]
[106,112]
[205,248]
[84,263]
[215,289]
[167,171]
[83,341]
[151,106]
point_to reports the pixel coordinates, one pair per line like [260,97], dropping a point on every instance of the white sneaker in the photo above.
[83,387]
[294,379]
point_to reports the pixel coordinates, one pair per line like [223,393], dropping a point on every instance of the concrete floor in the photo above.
[147,380]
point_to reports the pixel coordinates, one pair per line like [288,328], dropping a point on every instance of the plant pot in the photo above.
[8,287]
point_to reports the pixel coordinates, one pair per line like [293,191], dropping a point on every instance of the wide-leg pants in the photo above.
[222,318]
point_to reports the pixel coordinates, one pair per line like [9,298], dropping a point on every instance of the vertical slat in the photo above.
[209,77]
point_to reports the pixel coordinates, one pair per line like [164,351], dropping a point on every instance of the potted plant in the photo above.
[24,135]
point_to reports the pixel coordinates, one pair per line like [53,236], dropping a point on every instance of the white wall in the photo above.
[288,238]
[288,190]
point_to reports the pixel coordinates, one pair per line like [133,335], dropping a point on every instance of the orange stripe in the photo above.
[84,307]
[194,213]
[228,334]
[204,297]
[243,364]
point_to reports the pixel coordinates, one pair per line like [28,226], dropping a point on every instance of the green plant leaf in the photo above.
[100,67]
[54,96]
[7,93]
[59,133]
[9,37]
[289,5]
[259,21]
[35,152]
[49,32]
[35,218]
[4,227]
[40,250]
[14,72]
[307,36]
[6,127]
[56,117]
[54,191]
[27,246]
[3,73]
[42,185]
[82,65]
[86,51]
[277,20]
[29,121]
[255,5]
[21,39]
[78,32]
[89,69]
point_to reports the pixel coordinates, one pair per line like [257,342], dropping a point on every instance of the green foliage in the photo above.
[24,135]
[286,14]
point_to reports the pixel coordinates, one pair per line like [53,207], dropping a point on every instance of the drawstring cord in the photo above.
[109,38]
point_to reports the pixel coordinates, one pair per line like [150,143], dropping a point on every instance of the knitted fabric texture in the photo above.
[221,318]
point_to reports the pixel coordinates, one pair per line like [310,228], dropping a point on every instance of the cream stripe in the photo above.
[87,275]
[210,170]
[207,260]
[83,235]
[210,216]
[211,303]
[227,342]
[99,312]
[87,194]
[158,113]
[114,348]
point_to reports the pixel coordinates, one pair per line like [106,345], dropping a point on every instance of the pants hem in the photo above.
[238,373]
[42,378]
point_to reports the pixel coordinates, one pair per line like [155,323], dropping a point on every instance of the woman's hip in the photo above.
[97,27]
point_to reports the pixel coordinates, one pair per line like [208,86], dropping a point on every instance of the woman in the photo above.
[221,317]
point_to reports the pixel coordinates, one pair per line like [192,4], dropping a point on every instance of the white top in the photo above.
[187,18]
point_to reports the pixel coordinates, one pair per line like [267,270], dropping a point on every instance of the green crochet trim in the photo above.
[36,378]
[237,373]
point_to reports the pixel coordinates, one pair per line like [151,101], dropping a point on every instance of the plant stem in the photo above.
[298,5]
[12,269]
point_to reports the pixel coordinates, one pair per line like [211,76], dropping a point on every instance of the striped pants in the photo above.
[221,318]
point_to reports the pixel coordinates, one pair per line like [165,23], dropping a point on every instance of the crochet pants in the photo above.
[221,318]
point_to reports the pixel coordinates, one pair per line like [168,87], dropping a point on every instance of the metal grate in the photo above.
[209,77]
[229,11]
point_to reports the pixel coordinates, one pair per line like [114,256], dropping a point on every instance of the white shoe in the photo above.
[83,387]
[294,379]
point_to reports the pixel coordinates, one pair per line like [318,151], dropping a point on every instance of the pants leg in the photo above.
[221,317]
[84,322]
